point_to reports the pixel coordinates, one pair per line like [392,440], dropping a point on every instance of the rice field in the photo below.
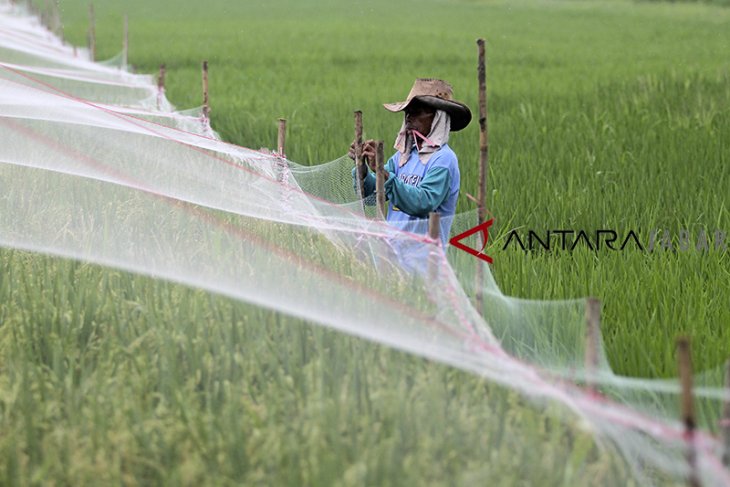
[602,115]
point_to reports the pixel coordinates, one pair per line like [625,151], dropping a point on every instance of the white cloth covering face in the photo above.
[439,135]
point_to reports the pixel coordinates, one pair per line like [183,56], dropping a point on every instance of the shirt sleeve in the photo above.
[419,200]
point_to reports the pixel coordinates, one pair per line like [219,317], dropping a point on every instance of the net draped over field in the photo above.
[97,165]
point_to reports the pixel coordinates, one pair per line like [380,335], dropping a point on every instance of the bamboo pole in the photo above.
[280,151]
[380,180]
[160,86]
[483,163]
[358,157]
[593,330]
[684,361]
[125,43]
[206,107]
[281,140]
[92,33]
[725,422]
[483,133]
[434,232]
[434,226]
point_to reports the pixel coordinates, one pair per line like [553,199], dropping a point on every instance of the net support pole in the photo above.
[380,180]
[92,33]
[684,361]
[434,232]
[592,344]
[281,164]
[483,162]
[281,139]
[725,421]
[358,158]
[125,43]
[206,106]
[160,86]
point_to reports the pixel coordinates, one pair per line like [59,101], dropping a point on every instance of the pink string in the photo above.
[424,138]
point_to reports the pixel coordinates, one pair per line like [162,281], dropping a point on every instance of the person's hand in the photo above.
[368,153]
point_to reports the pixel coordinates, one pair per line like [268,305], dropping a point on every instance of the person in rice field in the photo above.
[423,174]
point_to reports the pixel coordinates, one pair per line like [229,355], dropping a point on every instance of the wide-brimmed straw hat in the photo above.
[439,95]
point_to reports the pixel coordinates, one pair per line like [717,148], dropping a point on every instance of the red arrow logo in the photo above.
[482,227]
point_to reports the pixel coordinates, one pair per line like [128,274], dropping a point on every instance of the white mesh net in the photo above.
[96,165]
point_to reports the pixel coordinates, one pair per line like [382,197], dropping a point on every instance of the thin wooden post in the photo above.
[358,157]
[434,226]
[125,43]
[206,107]
[684,361]
[380,180]
[725,421]
[92,33]
[160,86]
[434,232]
[593,330]
[483,133]
[483,163]
[281,140]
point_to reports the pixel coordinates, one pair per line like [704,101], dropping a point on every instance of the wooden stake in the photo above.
[206,107]
[125,44]
[434,226]
[593,330]
[483,163]
[434,232]
[483,133]
[358,157]
[684,360]
[160,86]
[281,141]
[725,422]
[380,180]
[92,33]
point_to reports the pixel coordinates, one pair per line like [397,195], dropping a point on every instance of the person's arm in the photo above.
[419,200]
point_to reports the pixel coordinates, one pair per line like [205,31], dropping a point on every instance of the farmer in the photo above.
[423,175]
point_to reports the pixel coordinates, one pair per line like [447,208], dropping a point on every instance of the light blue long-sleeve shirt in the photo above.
[416,189]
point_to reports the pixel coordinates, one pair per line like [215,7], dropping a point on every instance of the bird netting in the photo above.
[97,165]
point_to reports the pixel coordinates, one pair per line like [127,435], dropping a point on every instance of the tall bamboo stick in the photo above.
[358,157]
[483,163]
[206,107]
[380,180]
[684,360]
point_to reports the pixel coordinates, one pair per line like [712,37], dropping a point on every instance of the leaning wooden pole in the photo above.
[684,361]
[380,180]
[125,43]
[593,343]
[358,158]
[92,33]
[725,421]
[281,139]
[483,164]
[206,106]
